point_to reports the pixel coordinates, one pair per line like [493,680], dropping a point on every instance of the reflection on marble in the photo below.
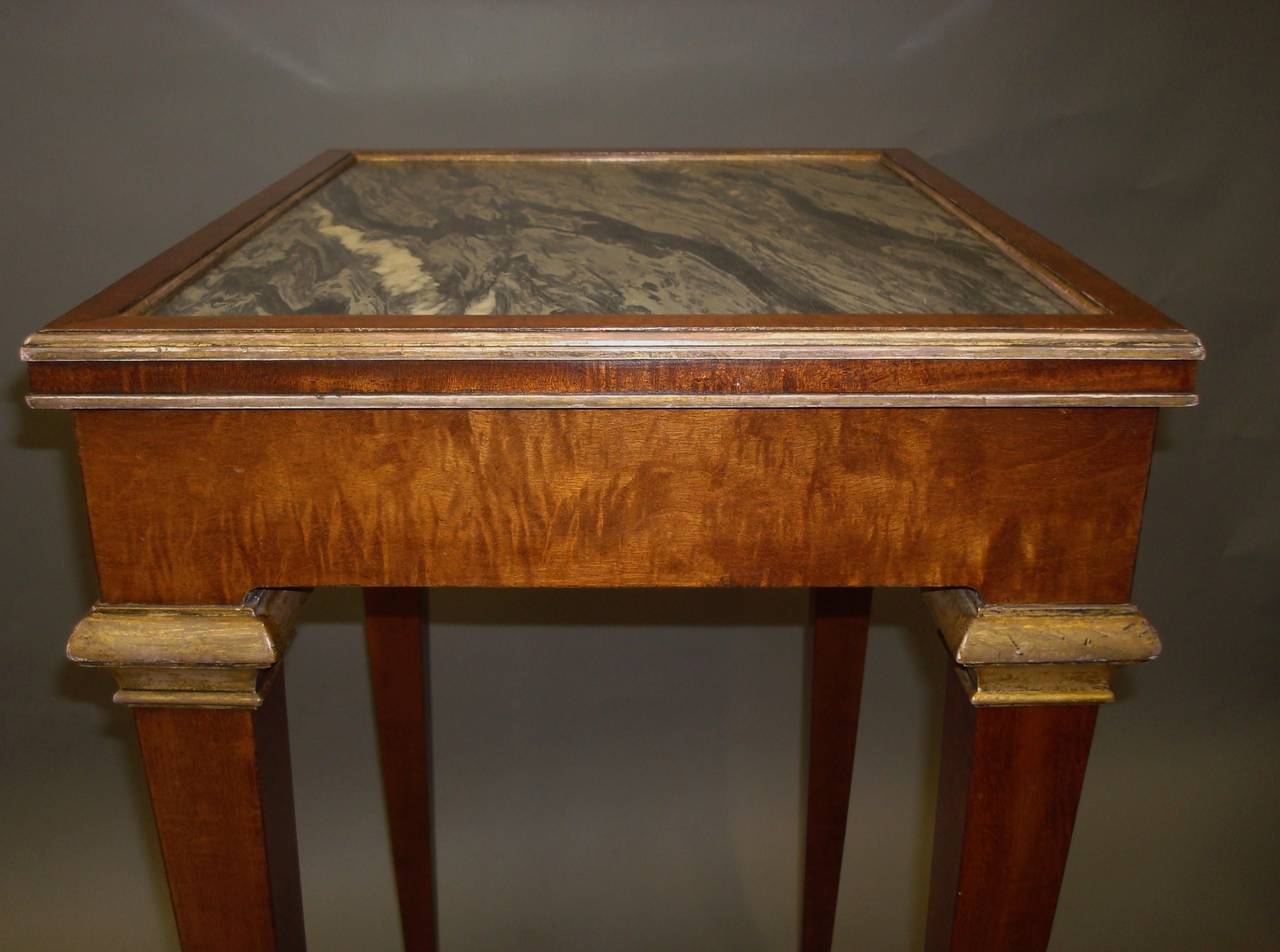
[674,237]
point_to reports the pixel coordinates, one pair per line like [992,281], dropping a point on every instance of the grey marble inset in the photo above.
[728,236]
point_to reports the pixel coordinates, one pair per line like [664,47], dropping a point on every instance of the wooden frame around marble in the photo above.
[112,328]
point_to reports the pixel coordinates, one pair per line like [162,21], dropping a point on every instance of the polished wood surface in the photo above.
[837,657]
[222,795]
[1009,786]
[1013,499]
[586,376]
[395,627]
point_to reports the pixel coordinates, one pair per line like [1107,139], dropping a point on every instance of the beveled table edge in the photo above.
[960,343]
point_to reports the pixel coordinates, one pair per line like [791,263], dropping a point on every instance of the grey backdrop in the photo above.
[622,770]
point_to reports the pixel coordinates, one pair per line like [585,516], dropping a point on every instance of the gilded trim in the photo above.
[1039,654]
[614,344]
[1009,685]
[190,655]
[587,401]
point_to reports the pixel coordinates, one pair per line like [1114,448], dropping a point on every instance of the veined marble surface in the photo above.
[833,236]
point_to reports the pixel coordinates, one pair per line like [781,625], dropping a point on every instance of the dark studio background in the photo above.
[622,770]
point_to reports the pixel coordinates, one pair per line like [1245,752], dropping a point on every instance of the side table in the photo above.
[406,370]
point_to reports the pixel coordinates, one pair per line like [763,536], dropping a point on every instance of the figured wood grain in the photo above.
[222,796]
[1009,786]
[837,658]
[201,506]
[395,628]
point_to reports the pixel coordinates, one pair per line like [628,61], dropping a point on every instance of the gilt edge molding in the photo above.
[1039,654]
[614,344]
[590,401]
[190,655]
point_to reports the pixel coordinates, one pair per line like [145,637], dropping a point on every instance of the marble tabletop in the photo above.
[675,236]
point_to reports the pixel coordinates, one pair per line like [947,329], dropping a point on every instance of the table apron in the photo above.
[1022,504]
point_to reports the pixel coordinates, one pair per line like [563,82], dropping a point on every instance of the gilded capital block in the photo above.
[190,655]
[1039,654]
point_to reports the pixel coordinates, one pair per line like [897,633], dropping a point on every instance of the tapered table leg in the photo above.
[207,687]
[839,647]
[222,795]
[1009,785]
[1020,710]
[395,634]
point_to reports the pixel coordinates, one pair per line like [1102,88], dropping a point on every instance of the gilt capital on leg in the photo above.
[215,656]
[1039,654]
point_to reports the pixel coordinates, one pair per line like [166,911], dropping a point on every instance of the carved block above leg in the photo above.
[1039,654]
[190,655]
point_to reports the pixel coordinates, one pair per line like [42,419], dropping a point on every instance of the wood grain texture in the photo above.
[1009,786]
[395,627]
[651,376]
[199,506]
[837,658]
[222,796]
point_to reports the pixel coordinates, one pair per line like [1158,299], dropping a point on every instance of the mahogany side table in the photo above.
[834,370]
